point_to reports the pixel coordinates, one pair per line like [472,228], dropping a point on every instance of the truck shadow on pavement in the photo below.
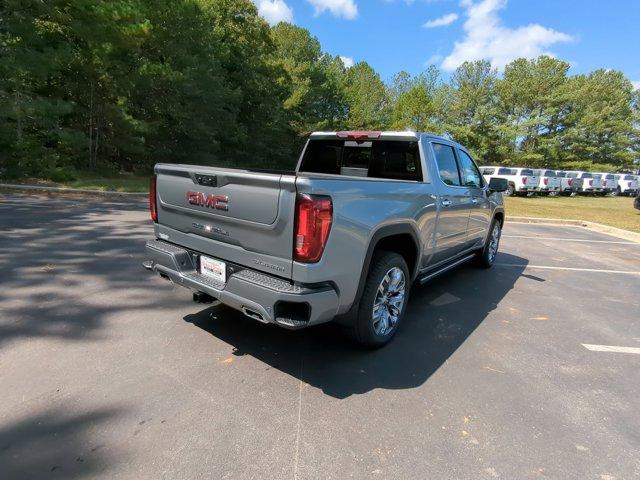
[441,315]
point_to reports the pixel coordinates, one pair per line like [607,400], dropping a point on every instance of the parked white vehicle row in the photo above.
[585,182]
[609,182]
[550,182]
[524,181]
[520,180]
[627,184]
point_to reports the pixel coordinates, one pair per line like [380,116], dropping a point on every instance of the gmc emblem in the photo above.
[219,202]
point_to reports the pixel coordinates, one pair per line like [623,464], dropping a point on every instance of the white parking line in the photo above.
[561,239]
[610,348]
[571,269]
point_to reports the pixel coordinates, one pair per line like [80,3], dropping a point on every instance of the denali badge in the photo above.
[219,202]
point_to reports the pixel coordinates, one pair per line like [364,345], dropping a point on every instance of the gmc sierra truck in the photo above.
[344,236]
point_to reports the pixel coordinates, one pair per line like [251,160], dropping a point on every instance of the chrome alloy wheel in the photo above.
[389,301]
[494,241]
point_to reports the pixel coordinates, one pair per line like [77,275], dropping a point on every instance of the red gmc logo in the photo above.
[219,202]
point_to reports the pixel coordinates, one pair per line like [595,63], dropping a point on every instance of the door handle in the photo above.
[445,202]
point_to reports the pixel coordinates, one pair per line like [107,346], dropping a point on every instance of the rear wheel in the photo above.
[487,255]
[384,300]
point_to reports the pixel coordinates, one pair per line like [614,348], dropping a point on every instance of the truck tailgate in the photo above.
[233,215]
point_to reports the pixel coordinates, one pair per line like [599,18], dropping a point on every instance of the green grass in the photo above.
[613,211]
[91,181]
[120,183]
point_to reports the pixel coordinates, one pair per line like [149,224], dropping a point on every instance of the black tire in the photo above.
[486,256]
[364,329]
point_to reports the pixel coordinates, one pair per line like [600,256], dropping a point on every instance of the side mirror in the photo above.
[498,185]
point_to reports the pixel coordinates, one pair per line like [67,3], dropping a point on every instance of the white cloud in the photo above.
[339,8]
[348,61]
[636,84]
[433,60]
[486,37]
[442,21]
[274,11]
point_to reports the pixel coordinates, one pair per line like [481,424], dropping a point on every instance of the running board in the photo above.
[446,268]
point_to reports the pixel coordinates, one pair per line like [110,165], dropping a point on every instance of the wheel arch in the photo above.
[401,238]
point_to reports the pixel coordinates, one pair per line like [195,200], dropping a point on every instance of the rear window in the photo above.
[526,171]
[561,174]
[506,171]
[610,177]
[397,160]
[488,171]
[586,175]
[544,173]
[572,175]
[597,175]
[628,177]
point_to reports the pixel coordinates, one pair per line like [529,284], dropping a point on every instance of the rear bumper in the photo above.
[259,296]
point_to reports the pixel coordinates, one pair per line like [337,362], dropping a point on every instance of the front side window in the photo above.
[470,175]
[447,167]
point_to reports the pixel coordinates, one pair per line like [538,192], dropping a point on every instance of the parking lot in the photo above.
[107,371]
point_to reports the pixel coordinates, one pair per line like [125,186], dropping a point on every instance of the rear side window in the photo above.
[447,167]
[397,160]
[506,171]
[488,171]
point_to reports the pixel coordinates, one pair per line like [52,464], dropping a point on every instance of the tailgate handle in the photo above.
[207,180]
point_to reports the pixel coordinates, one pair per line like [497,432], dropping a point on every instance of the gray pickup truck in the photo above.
[344,236]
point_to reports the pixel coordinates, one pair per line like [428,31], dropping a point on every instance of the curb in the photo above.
[43,188]
[593,226]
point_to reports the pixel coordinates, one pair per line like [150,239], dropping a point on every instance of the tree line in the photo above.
[118,85]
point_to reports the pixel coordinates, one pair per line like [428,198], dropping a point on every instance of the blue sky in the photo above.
[394,35]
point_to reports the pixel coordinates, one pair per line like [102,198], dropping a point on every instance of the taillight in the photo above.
[524,180]
[359,135]
[314,214]
[570,182]
[546,180]
[153,202]
[591,183]
[629,184]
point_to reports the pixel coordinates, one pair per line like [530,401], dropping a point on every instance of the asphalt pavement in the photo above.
[107,371]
